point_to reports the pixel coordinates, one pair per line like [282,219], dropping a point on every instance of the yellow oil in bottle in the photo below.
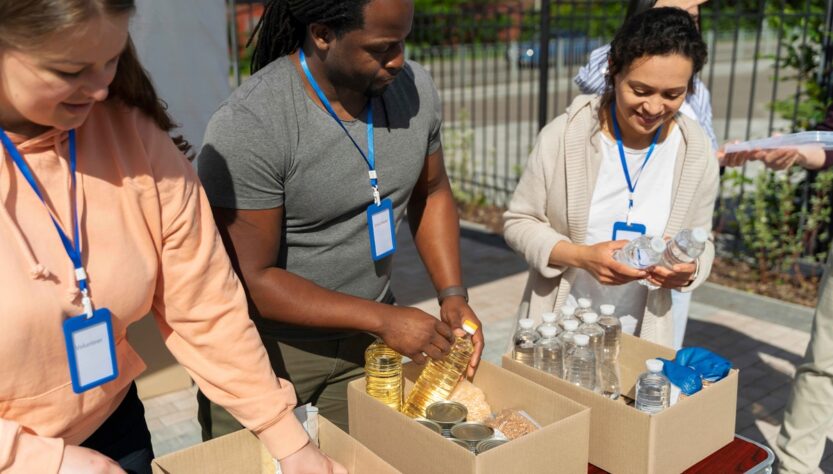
[383,373]
[439,377]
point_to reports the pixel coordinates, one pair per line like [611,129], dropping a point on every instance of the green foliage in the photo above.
[458,146]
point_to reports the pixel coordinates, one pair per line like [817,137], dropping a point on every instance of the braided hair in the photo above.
[283,26]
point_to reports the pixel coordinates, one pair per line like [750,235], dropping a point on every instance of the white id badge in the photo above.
[381,228]
[91,350]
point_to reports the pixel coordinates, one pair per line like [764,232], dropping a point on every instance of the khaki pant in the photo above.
[319,370]
[809,412]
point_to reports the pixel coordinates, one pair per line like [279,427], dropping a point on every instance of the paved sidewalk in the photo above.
[766,353]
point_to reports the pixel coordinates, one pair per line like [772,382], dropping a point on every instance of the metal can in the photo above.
[472,433]
[435,427]
[490,443]
[460,442]
[446,414]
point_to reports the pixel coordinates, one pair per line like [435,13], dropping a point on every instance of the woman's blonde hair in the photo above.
[25,24]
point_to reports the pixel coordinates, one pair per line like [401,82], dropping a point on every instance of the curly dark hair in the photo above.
[655,32]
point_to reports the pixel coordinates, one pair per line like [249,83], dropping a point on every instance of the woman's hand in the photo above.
[679,276]
[78,460]
[309,460]
[598,261]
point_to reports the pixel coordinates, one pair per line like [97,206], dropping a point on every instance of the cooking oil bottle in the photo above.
[383,373]
[439,377]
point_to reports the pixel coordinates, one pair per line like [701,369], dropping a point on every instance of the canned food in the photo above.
[446,414]
[472,433]
[435,427]
[461,443]
[488,444]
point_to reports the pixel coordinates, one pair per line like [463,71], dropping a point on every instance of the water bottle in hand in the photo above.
[641,253]
[685,247]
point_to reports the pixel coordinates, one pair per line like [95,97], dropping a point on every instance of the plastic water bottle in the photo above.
[383,373]
[612,328]
[585,305]
[549,355]
[652,388]
[593,331]
[581,363]
[685,247]
[641,253]
[548,322]
[524,339]
[438,379]
[609,367]
[567,313]
[568,336]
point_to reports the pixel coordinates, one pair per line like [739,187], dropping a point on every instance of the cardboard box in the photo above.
[625,440]
[241,452]
[561,445]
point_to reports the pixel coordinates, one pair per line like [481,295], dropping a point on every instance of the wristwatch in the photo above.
[452,291]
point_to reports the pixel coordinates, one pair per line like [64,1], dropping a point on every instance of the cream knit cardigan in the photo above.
[552,203]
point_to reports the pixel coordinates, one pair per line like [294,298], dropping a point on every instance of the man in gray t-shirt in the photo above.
[291,192]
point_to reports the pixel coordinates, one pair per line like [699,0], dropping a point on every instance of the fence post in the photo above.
[827,54]
[544,64]
[235,59]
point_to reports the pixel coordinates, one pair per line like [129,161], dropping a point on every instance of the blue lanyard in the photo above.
[631,185]
[370,157]
[72,247]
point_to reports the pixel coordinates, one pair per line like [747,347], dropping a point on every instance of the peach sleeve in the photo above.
[201,309]
[22,452]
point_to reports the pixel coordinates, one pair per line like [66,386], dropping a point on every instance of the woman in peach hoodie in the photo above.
[102,220]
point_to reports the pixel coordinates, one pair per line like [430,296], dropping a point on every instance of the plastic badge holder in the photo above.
[792,140]
[709,365]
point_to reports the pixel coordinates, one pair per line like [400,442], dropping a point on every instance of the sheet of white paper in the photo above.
[382,232]
[92,353]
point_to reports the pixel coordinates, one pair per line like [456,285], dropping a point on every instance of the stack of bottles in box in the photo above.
[441,400]
[583,348]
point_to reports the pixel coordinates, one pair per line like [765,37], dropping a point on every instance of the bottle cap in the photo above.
[549,317]
[657,245]
[584,303]
[470,327]
[568,311]
[607,309]
[654,365]
[548,331]
[589,318]
[581,339]
[570,325]
[526,323]
[700,235]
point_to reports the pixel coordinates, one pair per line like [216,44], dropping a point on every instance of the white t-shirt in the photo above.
[651,207]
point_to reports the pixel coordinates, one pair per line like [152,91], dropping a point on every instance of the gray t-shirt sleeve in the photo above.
[435,136]
[241,162]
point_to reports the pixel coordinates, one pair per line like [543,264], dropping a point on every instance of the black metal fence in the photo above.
[503,70]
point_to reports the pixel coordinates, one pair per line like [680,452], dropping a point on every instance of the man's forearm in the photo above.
[282,296]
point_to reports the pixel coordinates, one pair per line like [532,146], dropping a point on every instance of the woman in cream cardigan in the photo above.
[614,167]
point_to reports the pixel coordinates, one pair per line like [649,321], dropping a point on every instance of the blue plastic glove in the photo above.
[684,377]
[709,365]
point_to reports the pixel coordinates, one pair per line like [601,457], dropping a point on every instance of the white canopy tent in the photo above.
[184,46]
